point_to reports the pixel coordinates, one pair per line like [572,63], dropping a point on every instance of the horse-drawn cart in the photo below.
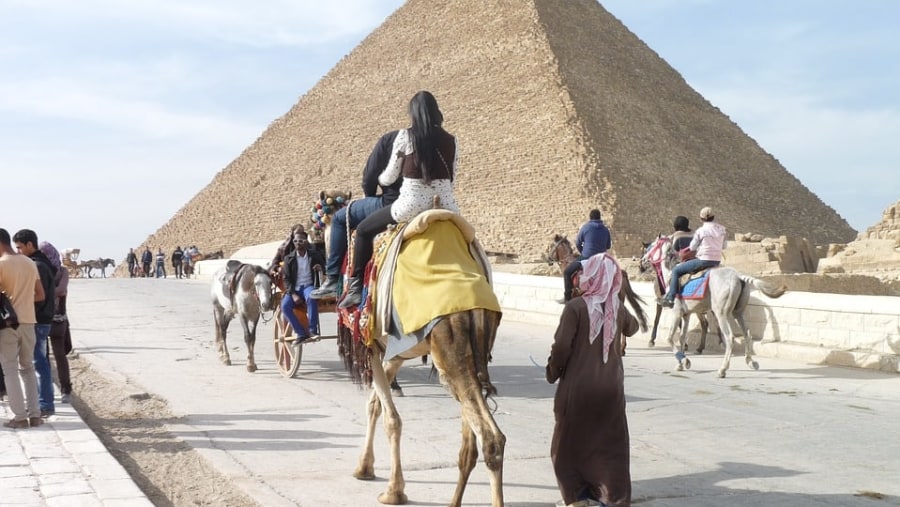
[288,353]
[70,261]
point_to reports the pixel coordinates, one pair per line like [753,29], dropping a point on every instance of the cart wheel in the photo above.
[286,354]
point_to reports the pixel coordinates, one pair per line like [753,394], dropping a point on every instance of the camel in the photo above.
[460,345]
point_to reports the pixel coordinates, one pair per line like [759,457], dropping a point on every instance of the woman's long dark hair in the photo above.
[426,125]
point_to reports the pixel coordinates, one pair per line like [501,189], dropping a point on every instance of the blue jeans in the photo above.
[312,311]
[684,268]
[160,271]
[359,210]
[42,367]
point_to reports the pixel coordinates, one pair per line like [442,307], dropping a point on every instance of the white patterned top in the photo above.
[415,195]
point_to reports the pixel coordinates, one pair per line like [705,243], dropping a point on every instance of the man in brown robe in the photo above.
[590,448]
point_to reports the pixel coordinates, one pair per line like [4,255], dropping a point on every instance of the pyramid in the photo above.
[557,107]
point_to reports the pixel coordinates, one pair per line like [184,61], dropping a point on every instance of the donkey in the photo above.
[244,291]
[726,296]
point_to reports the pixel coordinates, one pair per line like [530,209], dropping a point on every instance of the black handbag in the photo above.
[8,316]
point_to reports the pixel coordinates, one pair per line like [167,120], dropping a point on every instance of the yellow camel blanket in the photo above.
[437,275]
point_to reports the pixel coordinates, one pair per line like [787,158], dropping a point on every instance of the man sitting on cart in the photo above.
[299,282]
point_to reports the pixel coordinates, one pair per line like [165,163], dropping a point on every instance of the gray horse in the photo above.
[726,296]
[244,291]
[100,264]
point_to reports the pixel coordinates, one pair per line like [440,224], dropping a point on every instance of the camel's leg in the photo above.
[452,343]
[365,470]
[704,330]
[394,494]
[250,340]
[468,455]
[393,366]
[221,330]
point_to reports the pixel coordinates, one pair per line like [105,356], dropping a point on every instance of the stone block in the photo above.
[815,318]
[834,338]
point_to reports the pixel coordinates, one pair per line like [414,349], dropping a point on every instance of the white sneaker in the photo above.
[66,398]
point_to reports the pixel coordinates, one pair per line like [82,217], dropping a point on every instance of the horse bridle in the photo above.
[237,279]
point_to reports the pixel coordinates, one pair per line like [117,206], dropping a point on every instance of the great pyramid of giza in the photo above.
[557,107]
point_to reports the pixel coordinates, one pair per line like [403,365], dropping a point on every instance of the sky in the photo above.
[114,114]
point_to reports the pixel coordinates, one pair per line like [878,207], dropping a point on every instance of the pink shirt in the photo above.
[709,241]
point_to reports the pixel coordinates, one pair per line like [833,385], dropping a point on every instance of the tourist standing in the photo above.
[20,280]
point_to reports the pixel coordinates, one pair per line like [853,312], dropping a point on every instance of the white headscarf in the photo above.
[601,279]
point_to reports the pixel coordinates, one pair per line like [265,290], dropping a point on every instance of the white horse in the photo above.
[244,291]
[726,296]
[660,258]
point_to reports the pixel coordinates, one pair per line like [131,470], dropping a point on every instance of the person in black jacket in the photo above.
[359,210]
[177,258]
[299,281]
[131,259]
[26,242]
[146,260]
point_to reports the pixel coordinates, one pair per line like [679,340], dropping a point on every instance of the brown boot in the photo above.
[16,423]
[35,421]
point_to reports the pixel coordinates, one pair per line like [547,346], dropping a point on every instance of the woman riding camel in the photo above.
[708,243]
[425,155]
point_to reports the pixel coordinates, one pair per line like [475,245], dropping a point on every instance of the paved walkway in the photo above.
[61,463]
[791,434]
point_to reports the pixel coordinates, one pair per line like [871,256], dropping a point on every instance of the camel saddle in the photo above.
[433,258]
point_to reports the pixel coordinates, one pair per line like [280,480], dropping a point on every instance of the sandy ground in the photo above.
[133,427]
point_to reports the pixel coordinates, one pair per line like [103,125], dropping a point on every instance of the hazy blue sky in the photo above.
[114,114]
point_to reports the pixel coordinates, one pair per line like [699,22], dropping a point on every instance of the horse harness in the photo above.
[236,271]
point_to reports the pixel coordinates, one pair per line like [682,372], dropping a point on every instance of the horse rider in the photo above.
[708,243]
[682,236]
[299,282]
[358,212]
[592,238]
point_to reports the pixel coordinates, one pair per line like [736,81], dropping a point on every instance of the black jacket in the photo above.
[378,160]
[43,310]
[290,266]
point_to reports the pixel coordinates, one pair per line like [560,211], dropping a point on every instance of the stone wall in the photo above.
[859,331]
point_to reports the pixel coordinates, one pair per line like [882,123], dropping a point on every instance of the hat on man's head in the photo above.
[682,224]
[706,213]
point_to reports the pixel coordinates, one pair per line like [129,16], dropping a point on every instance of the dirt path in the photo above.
[133,428]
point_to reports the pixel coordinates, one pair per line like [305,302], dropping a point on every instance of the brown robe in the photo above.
[590,449]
